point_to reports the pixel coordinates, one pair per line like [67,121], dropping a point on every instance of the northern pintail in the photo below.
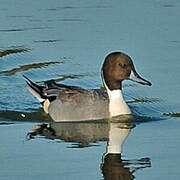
[72,103]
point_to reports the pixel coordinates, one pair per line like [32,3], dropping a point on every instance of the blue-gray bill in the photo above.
[134,76]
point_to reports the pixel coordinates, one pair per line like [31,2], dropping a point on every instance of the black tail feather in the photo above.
[33,85]
[35,89]
[42,92]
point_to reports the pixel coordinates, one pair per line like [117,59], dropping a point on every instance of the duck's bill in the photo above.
[134,76]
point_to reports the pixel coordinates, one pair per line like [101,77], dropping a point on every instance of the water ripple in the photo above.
[144,100]
[14,50]
[173,114]
[23,29]
[28,67]
[20,16]
[169,5]
[67,76]
[78,7]
[48,41]
[72,20]
[6,123]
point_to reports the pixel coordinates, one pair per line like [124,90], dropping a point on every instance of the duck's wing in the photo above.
[76,105]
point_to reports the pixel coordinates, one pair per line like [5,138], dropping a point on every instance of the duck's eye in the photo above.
[122,65]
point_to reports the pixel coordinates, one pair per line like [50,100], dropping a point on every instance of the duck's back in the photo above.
[79,104]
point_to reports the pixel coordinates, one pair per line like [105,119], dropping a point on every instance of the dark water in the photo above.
[67,41]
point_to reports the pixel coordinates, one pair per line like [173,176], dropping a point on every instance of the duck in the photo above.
[73,103]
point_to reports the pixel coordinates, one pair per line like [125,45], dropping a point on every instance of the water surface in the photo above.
[67,41]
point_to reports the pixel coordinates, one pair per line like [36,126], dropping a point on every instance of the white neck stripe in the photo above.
[117,105]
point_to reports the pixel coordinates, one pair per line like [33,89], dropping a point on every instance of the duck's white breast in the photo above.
[117,104]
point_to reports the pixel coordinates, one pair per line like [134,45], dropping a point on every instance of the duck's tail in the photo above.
[35,89]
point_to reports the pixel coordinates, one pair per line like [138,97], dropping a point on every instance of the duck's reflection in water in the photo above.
[113,167]
[114,131]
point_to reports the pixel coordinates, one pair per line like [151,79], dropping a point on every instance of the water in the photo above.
[67,41]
